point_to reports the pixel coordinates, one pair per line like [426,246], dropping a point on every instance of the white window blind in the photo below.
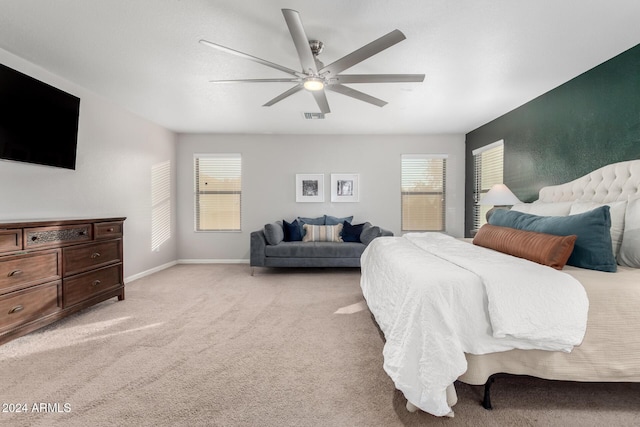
[218,192]
[423,192]
[160,204]
[488,170]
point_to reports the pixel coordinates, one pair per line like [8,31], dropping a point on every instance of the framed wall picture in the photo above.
[345,187]
[310,187]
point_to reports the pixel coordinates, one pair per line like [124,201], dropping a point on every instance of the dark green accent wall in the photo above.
[588,122]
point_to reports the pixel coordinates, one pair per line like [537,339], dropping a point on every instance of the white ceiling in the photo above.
[482,58]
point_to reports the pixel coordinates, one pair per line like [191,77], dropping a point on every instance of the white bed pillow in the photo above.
[544,208]
[616,210]
[630,248]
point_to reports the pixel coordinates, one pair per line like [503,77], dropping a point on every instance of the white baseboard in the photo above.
[150,271]
[213,261]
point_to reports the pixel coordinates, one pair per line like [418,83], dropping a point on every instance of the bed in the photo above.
[449,310]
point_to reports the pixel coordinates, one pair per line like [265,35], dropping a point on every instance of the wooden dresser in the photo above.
[50,269]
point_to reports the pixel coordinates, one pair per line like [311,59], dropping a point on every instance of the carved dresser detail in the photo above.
[51,269]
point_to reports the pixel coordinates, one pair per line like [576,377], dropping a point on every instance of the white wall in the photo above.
[116,151]
[269,166]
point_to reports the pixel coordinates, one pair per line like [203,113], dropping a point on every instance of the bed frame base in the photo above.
[486,399]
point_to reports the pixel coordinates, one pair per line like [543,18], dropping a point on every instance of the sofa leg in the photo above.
[252,270]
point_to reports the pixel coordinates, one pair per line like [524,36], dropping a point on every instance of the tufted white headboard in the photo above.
[610,183]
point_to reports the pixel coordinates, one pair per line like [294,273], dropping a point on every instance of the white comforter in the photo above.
[436,298]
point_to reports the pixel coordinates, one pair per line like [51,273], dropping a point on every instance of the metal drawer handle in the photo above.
[95,255]
[95,283]
[15,273]
[16,309]
[82,232]
[34,238]
[110,230]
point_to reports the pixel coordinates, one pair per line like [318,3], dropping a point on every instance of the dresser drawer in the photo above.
[20,271]
[107,230]
[86,285]
[39,237]
[10,240]
[78,259]
[29,304]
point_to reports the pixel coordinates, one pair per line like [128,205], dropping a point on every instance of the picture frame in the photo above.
[309,187]
[345,187]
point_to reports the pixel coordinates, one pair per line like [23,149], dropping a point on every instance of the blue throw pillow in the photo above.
[291,231]
[592,249]
[311,221]
[351,233]
[332,220]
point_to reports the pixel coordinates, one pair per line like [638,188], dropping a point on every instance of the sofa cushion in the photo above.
[313,221]
[274,233]
[322,233]
[370,232]
[315,250]
[351,233]
[333,220]
[292,231]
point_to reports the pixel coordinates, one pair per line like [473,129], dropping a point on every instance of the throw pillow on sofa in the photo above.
[313,221]
[369,233]
[351,233]
[332,220]
[322,233]
[291,231]
[274,233]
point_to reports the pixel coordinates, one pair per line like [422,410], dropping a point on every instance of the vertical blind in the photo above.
[423,192]
[488,169]
[218,192]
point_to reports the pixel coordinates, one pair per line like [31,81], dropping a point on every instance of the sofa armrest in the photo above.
[257,246]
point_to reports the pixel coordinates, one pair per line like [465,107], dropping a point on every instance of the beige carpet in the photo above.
[209,345]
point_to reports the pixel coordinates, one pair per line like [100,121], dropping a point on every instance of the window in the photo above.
[218,192]
[160,204]
[487,171]
[423,192]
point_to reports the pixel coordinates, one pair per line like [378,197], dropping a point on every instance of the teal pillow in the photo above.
[592,249]
[333,220]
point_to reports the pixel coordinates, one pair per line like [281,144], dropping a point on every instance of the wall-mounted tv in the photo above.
[38,122]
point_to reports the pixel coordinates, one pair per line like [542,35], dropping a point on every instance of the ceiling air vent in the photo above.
[313,116]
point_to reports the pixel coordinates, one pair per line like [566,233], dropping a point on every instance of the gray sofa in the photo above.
[269,249]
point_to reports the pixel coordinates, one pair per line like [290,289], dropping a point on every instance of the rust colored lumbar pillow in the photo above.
[546,249]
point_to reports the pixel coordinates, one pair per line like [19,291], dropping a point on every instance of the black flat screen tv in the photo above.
[38,122]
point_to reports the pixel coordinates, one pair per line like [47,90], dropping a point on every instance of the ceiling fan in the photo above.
[315,76]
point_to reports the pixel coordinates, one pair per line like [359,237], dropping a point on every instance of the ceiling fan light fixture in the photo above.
[313,84]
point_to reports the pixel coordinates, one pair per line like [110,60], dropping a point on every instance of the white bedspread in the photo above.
[436,298]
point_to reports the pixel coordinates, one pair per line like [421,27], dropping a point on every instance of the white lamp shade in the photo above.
[499,195]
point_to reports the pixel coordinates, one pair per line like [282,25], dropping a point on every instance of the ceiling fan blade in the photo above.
[363,53]
[321,100]
[378,78]
[252,58]
[301,41]
[284,95]
[356,94]
[256,81]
